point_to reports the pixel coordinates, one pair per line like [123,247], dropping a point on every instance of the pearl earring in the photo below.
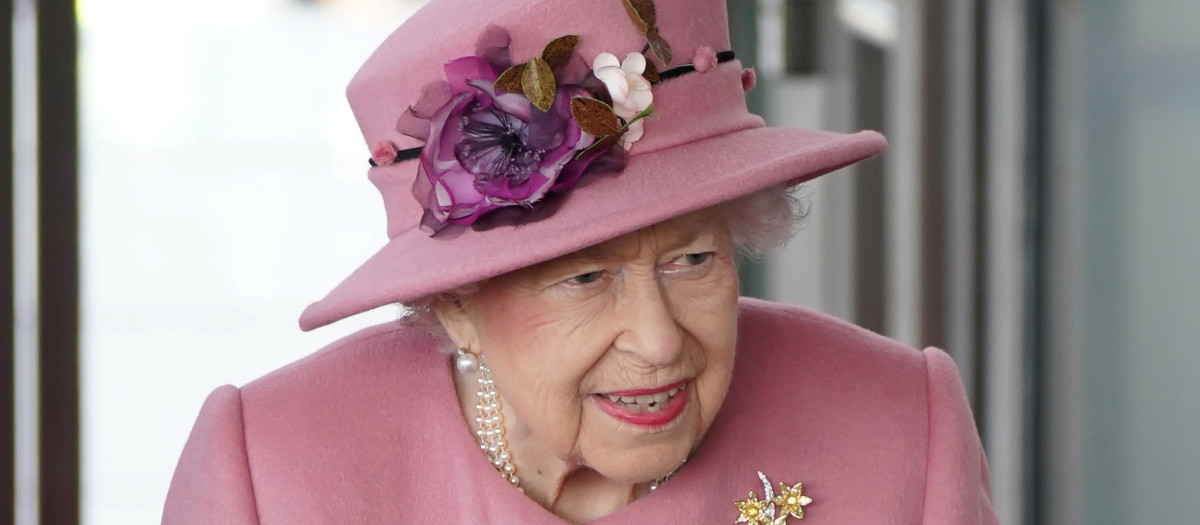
[465,362]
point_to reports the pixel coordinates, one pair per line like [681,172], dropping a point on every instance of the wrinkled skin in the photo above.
[644,310]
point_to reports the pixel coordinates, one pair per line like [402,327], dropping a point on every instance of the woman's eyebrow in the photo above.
[610,251]
[685,238]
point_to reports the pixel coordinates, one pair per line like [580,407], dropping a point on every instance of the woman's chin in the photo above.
[640,454]
[642,466]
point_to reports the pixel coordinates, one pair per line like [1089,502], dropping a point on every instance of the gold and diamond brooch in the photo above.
[773,509]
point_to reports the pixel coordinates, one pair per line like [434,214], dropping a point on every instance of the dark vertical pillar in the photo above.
[1038,265]
[981,213]
[58,262]
[870,199]
[802,40]
[933,175]
[7,298]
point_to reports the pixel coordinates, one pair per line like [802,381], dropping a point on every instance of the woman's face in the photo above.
[616,357]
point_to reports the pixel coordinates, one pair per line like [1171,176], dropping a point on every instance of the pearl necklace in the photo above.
[488,420]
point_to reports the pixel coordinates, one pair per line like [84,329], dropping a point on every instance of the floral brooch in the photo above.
[504,135]
[773,509]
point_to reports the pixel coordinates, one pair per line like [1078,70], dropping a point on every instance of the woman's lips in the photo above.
[651,407]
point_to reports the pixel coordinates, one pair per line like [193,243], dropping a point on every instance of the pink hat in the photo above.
[499,144]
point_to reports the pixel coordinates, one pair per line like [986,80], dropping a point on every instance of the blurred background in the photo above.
[180,179]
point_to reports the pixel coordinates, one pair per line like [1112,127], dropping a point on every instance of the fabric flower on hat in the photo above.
[488,149]
[500,134]
[629,90]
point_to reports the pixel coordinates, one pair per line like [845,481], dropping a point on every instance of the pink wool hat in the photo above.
[415,96]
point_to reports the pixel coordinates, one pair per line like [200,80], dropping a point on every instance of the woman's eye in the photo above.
[690,263]
[694,259]
[585,278]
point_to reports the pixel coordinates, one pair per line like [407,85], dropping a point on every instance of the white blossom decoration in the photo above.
[629,90]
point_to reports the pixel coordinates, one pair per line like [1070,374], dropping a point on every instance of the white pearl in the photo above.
[466,363]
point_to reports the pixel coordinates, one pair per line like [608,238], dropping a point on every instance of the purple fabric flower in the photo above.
[486,150]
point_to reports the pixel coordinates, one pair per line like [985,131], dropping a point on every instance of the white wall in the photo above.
[223,188]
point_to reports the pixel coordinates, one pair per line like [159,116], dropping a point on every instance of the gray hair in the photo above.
[757,223]
[765,219]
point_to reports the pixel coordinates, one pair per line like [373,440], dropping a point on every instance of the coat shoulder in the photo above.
[354,416]
[386,352]
[775,332]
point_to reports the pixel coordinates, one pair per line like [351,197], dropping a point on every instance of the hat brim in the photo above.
[652,188]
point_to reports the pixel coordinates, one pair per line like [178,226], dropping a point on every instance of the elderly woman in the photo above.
[564,228]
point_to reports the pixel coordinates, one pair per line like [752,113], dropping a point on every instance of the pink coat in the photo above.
[368,430]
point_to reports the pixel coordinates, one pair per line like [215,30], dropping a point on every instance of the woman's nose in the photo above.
[650,330]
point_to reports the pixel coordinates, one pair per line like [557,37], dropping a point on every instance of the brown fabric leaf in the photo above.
[651,73]
[599,147]
[660,47]
[638,19]
[510,79]
[645,10]
[648,11]
[595,117]
[538,83]
[645,17]
[559,51]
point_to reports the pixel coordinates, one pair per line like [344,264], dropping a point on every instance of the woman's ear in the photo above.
[456,320]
